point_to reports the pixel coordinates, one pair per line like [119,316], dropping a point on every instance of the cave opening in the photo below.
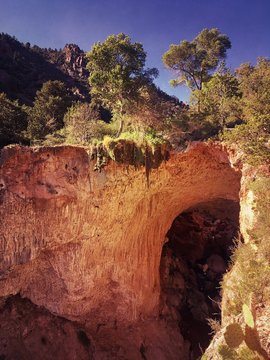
[194,259]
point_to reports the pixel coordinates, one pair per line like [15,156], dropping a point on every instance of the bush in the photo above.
[252,140]
[250,274]
[50,105]
[13,121]
[253,136]
[82,125]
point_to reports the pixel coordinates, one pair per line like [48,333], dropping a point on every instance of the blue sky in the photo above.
[156,23]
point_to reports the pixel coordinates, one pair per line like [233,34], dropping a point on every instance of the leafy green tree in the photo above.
[117,74]
[254,134]
[255,85]
[220,100]
[13,121]
[194,61]
[50,105]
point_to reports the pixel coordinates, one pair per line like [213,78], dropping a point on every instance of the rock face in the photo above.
[74,61]
[87,245]
[24,68]
[36,334]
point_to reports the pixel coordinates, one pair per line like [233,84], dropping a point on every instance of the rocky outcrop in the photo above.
[24,68]
[247,283]
[87,245]
[74,61]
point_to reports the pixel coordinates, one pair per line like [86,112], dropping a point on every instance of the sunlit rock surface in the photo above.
[87,245]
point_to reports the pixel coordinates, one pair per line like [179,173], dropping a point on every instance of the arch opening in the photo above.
[194,259]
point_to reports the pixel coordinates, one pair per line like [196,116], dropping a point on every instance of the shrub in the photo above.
[250,274]
[13,120]
[82,125]
[50,105]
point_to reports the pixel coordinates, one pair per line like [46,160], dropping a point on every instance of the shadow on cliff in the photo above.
[31,332]
[193,262]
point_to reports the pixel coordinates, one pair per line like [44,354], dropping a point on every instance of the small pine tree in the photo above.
[50,105]
[13,120]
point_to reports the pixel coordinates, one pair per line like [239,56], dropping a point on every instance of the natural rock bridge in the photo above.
[87,245]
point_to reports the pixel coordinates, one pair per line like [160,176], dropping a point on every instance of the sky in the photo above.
[154,23]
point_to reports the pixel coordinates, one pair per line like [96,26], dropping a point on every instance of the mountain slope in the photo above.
[24,68]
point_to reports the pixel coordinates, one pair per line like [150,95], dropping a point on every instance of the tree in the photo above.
[82,123]
[255,85]
[50,105]
[194,61]
[254,134]
[117,74]
[13,121]
[157,111]
[220,100]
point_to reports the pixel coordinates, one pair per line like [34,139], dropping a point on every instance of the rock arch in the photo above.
[87,245]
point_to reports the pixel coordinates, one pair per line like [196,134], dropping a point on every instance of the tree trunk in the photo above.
[120,127]
[121,115]
[199,106]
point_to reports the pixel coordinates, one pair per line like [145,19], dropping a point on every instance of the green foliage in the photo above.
[249,279]
[56,138]
[215,96]
[234,107]
[219,101]
[254,135]
[13,120]
[252,141]
[117,74]
[250,274]
[261,189]
[194,61]
[134,148]
[50,105]
[141,139]
[233,335]
[82,124]
[255,85]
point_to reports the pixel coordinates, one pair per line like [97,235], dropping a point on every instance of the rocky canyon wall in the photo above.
[84,243]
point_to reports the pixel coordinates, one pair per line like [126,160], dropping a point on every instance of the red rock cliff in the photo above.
[87,245]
